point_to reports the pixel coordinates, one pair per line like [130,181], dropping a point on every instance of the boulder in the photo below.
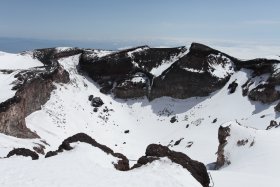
[173,119]
[90,97]
[96,102]
[273,124]
[232,87]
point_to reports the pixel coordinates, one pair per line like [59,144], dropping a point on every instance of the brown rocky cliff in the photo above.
[29,97]
[33,89]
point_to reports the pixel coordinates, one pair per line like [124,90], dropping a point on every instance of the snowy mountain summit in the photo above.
[184,116]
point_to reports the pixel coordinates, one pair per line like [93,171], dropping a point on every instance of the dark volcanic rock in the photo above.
[4,106]
[264,93]
[154,152]
[197,169]
[277,107]
[96,102]
[157,150]
[90,97]
[215,120]
[106,88]
[23,152]
[259,65]
[133,87]
[51,153]
[199,72]
[178,142]
[193,74]
[273,124]
[245,87]
[242,142]
[47,55]
[223,133]
[121,67]
[173,119]
[232,87]
[143,161]
[122,165]
[122,63]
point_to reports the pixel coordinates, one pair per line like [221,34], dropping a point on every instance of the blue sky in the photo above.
[158,22]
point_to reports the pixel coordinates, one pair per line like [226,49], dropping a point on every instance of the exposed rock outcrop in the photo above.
[232,87]
[273,124]
[277,107]
[173,119]
[259,66]
[194,74]
[48,55]
[96,102]
[185,74]
[176,73]
[223,133]
[135,86]
[33,89]
[122,165]
[130,70]
[155,151]
[23,152]
[265,93]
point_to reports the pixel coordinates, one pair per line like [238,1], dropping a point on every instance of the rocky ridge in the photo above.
[180,73]
[135,73]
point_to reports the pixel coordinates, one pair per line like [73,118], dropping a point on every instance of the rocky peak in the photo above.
[197,48]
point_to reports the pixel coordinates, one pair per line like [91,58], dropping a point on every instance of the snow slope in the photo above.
[69,112]
[17,61]
[254,157]
[6,86]
[85,166]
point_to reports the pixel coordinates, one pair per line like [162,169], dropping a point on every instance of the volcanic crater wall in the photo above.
[33,89]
